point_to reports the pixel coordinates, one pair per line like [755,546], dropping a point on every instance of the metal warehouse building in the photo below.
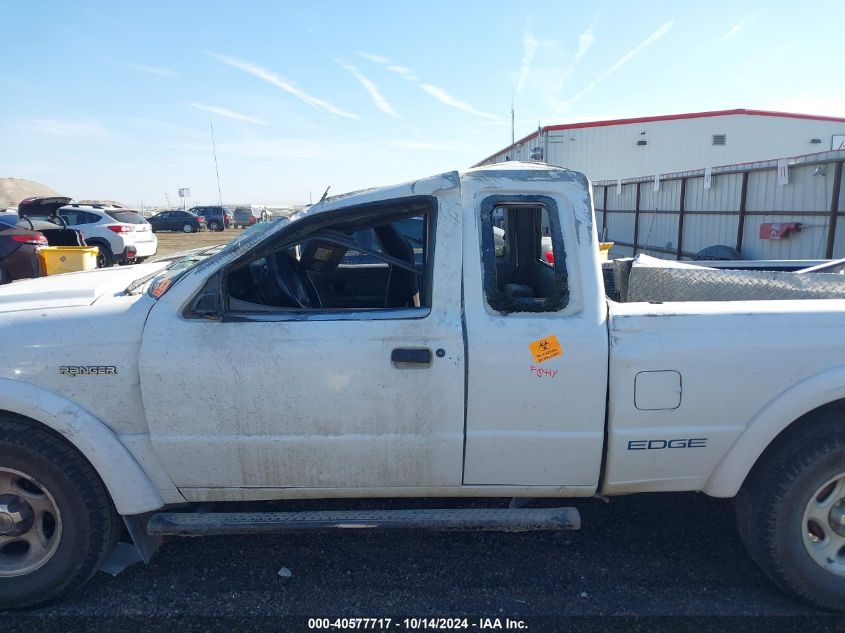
[769,184]
[626,148]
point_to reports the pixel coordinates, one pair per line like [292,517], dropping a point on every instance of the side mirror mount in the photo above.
[207,303]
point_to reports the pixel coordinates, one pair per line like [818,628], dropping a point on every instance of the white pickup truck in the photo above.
[410,341]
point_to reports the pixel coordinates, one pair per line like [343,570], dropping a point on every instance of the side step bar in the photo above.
[492,519]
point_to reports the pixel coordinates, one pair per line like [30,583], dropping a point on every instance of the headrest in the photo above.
[320,255]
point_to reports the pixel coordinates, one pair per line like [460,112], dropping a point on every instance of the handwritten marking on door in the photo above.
[544,373]
[545,349]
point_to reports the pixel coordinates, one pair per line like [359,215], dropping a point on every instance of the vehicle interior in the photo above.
[522,275]
[42,214]
[366,262]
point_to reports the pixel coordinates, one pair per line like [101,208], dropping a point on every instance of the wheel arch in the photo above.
[779,417]
[130,488]
[98,241]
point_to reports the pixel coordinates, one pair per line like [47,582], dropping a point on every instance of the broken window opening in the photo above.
[522,255]
[365,262]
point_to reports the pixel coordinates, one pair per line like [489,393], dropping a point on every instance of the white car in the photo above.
[122,235]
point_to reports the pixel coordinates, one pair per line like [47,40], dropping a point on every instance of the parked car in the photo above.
[243,218]
[216,218]
[122,235]
[177,220]
[20,239]
[18,251]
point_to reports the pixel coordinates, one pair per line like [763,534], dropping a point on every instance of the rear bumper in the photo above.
[22,264]
[142,249]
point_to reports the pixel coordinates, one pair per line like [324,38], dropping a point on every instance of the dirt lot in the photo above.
[649,556]
[174,242]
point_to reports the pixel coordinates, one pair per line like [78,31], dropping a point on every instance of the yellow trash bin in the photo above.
[54,260]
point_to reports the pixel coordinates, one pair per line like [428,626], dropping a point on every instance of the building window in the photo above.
[720,139]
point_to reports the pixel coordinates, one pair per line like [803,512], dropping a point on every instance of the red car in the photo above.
[19,252]
[20,239]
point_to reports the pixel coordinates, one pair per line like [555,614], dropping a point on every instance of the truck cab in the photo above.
[382,335]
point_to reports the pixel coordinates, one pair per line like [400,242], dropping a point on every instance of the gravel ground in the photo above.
[641,555]
[174,241]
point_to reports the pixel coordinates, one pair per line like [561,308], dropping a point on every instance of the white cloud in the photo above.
[150,70]
[229,114]
[639,48]
[283,84]
[761,58]
[435,91]
[375,94]
[65,128]
[406,72]
[735,30]
[585,41]
[529,51]
[378,59]
[444,97]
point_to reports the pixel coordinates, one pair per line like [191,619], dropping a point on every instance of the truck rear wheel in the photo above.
[57,523]
[791,510]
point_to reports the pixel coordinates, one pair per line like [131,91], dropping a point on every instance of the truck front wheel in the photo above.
[57,523]
[791,510]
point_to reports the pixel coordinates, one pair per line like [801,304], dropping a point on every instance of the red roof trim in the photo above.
[693,115]
[668,117]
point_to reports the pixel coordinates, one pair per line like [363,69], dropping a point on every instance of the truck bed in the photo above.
[647,279]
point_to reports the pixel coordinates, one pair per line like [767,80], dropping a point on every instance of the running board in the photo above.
[485,519]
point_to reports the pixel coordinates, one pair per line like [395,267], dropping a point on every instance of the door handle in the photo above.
[411,355]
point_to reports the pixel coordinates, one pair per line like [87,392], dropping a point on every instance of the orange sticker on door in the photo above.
[545,349]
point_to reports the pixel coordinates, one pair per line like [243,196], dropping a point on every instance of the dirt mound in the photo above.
[13,190]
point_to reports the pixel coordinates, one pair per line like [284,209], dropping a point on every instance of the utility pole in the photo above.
[216,170]
[513,135]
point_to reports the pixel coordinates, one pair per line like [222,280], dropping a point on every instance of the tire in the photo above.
[213,226]
[4,276]
[774,503]
[717,253]
[105,258]
[84,532]
[187,228]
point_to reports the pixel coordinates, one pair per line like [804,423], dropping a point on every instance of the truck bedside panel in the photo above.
[735,359]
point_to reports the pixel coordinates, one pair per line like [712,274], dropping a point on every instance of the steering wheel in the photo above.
[291,281]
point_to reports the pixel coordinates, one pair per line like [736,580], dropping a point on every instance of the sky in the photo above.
[113,100]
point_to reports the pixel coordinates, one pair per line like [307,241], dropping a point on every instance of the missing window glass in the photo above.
[523,255]
[365,261]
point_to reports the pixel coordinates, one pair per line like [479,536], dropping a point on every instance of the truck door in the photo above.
[536,332]
[305,380]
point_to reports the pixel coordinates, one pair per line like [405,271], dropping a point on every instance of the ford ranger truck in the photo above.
[409,341]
